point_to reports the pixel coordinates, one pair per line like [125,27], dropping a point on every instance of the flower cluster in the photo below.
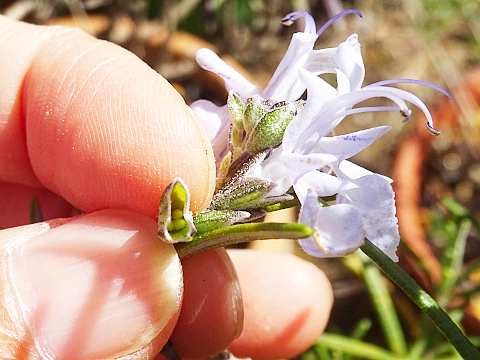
[268,143]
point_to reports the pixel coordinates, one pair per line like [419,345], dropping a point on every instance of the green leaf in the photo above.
[354,347]
[424,301]
[383,305]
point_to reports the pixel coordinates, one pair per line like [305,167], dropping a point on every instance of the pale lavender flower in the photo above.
[365,207]
[365,204]
[312,160]
[285,84]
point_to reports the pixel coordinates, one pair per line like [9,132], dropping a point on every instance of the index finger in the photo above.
[91,122]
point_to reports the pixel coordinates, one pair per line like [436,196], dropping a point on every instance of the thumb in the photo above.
[91,122]
[96,287]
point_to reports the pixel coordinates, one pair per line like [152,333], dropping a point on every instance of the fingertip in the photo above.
[287,303]
[98,286]
[212,311]
[93,123]
[106,130]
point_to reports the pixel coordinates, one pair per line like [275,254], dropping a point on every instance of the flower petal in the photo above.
[273,169]
[345,146]
[319,92]
[349,59]
[304,163]
[216,121]
[355,171]
[337,229]
[375,201]
[322,183]
[284,84]
[210,61]
[321,61]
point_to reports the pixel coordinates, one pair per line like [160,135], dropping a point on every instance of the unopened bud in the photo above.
[269,131]
[214,219]
[254,111]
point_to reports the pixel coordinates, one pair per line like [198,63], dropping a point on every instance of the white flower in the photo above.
[365,207]
[365,204]
[285,84]
[309,158]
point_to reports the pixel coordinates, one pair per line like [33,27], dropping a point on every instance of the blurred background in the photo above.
[437,179]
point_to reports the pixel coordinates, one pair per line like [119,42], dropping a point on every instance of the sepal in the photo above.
[209,220]
[175,220]
[268,133]
[244,194]
[254,111]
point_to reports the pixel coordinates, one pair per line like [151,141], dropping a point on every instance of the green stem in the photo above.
[424,301]
[241,233]
[383,304]
[356,348]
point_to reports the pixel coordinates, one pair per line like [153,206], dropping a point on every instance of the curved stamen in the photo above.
[341,107]
[411,81]
[359,110]
[432,130]
[333,19]
[411,98]
[368,109]
[310,27]
[351,99]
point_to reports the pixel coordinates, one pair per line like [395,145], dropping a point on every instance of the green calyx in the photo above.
[175,221]
[268,133]
[209,220]
[254,111]
[258,124]
[235,106]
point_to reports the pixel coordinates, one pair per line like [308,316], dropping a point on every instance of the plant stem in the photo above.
[424,301]
[354,347]
[241,233]
[383,304]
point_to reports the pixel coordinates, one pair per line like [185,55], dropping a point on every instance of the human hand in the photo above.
[94,125]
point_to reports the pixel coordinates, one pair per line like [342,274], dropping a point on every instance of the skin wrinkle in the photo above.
[56,106]
[93,72]
[160,273]
[68,72]
[13,39]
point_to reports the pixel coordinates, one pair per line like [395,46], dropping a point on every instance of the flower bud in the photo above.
[254,111]
[244,194]
[213,219]
[270,129]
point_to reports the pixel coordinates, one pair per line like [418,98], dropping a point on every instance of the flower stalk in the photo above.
[241,233]
[424,301]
